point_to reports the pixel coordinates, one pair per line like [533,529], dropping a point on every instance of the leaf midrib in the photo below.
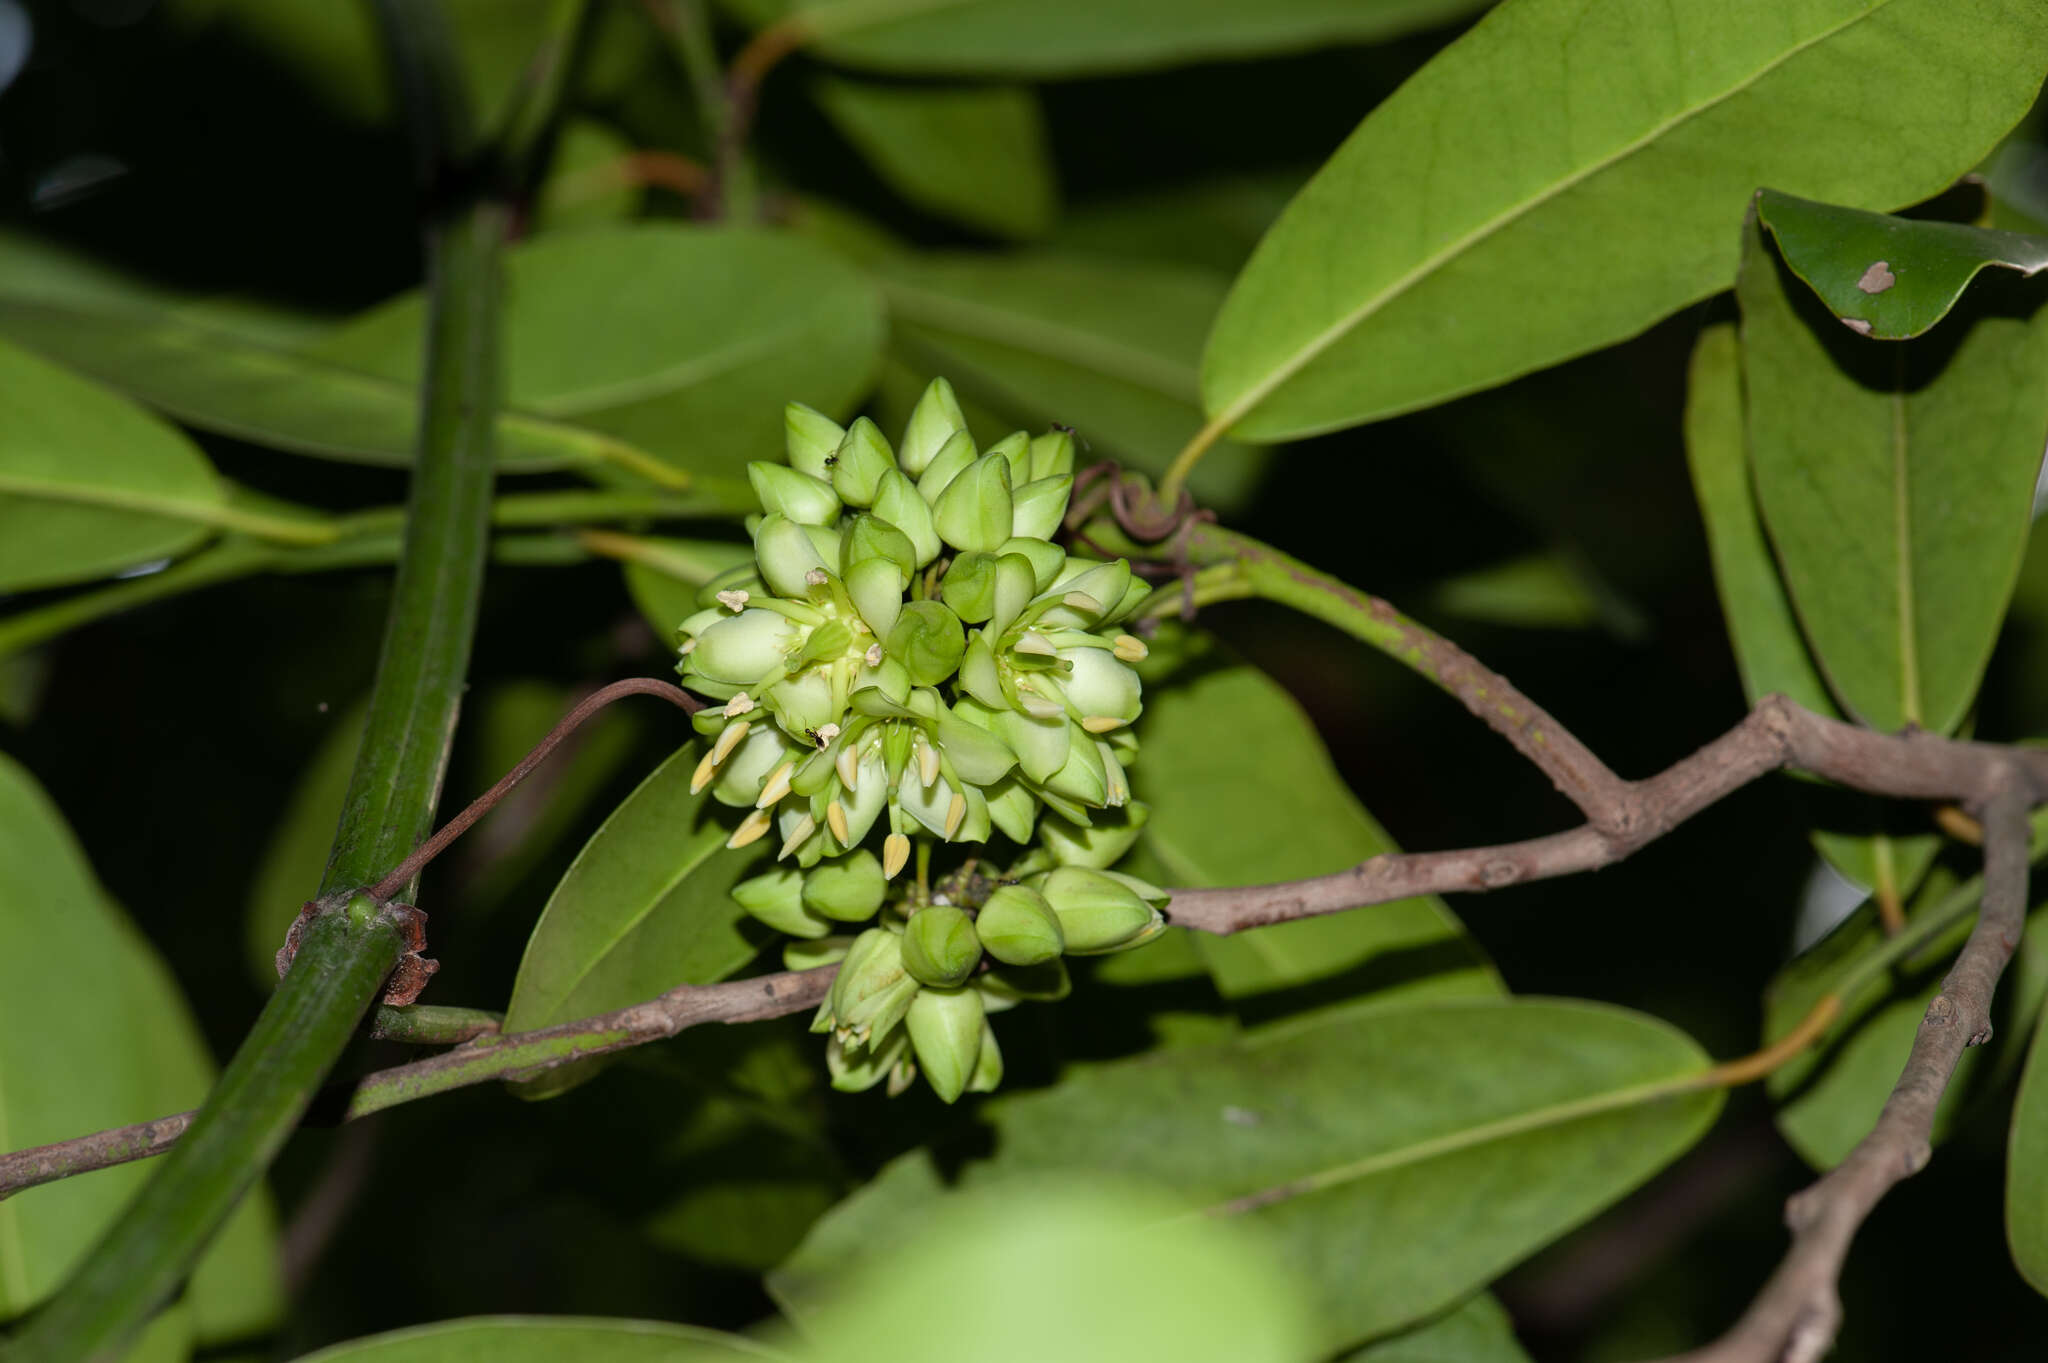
[1237,410]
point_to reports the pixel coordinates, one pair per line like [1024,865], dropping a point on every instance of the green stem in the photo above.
[262,1094]
[426,1024]
[346,951]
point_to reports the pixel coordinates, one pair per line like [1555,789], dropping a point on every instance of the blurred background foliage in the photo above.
[1056,241]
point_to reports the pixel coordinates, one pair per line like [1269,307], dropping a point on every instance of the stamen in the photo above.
[750,830]
[848,766]
[738,705]
[895,855]
[835,819]
[804,828]
[955,812]
[1129,648]
[729,738]
[736,599]
[1101,724]
[707,767]
[778,785]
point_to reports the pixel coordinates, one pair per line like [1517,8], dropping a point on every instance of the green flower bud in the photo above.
[861,460]
[742,774]
[1015,449]
[871,537]
[1052,454]
[1098,912]
[810,437]
[979,676]
[1016,584]
[939,946]
[988,1068]
[876,589]
[883,689]
[1012,808]
[856,1067]
[777,900]
[1135,595]
[1042,745]
[897,502]
[1082,778]
[1100,686]
[945,1027]
[974,511]
[953,459]
[872,990]
[1018,927]
[1098,846]
[1144,889]
[928,640]
[1046,559]
[805,703]
[1008,985]
[787,557]
[812,954]
[1037,508]
[932,423]
[802,498]
[1085,597]
[969,587]
[743,648]
[848,889]
[976,755]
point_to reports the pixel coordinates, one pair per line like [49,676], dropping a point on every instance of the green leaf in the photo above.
[1547,590]
[295,856]
[1082,37]
[1829,1095]
[585,185]
[1398,1158]
[1243,793]
[1477,1332]
[90,484]
[77,1056]
[1079,1269]
[1108,347]
[1895,276]
[1569,171]
[2026,1169]
[203,370]
[1211,223]
[682,341]
[646,907]
[1897,482]
[1770,652]
[974,153]
[546,1339]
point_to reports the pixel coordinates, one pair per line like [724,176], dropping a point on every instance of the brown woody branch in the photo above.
[1796,1316]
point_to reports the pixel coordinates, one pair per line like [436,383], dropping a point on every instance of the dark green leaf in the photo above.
[586,184]
[1211,223]
[1399,1158]
[89,483]
[1896,277]
[1243,793]
[1569,171]
[1477,1332]
[974,153]
[1897,482]
[93,1034]
[547,1339]
[1830,1095]
[1078,37]
[1108,347]
[645,907]
[683,341]
[1770,652]
[2026,1169]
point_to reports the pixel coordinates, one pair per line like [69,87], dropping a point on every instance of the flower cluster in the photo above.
[910,646]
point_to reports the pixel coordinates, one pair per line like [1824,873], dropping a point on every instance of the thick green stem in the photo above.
[140,1262]
[349,948]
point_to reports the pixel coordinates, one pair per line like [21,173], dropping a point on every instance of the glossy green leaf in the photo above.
[2026,1168]
[683,341]
[645,907]
[1081,37]
[1569,171]
[1829,1095]
[1243,793]
[1210,223]
[1534,591]
[586,184]
[1108,347]
[547,1339]
[89,483]
[1889,278]
[1398,1158]
[93,1033]
[295,855]
[1477,1332]
[1078,1269]
[1897,482]
[1770,652]
[974,153]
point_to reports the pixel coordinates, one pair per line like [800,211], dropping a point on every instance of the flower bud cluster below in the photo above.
[910,646]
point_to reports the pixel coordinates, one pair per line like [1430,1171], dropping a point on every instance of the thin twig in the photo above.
[1796,1316]
[401,875]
